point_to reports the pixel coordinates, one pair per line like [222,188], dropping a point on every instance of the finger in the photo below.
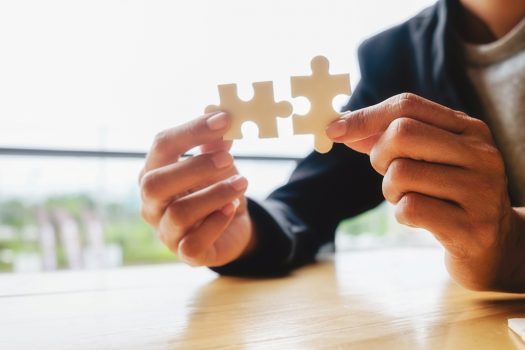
[447,222]
[170,144]
[216,146]
[364,145]
[161,185]
[443,182]
[195,247]
[410,138]
[186,212]
[363,123]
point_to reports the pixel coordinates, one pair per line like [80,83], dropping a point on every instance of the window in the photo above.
[108,75]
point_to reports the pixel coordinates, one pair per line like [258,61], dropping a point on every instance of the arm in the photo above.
[301,216]
[298,218]
[199,211]
[287,229]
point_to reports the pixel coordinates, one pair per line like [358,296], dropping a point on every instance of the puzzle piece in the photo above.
[320,88]
[261,109]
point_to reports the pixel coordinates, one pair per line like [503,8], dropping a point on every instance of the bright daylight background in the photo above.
[108,75]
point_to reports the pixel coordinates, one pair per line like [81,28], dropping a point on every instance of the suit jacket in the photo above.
[421,56]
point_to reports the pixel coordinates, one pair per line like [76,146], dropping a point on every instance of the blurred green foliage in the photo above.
[16,214]
[73,204]
[121,223]
[371,222]
[123,226]
[138,240]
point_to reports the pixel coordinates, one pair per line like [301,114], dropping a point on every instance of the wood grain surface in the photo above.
[383,299]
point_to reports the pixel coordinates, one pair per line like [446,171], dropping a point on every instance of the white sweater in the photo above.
[497,71]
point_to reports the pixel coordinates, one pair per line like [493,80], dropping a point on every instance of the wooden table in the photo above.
[384,299]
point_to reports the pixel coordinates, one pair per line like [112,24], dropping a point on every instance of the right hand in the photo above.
[197,205]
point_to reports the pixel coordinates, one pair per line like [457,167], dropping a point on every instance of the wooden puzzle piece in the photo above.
[261,109]
[320,88]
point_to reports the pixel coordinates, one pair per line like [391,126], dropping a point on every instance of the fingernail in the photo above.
[239,182]
[217,121]
[336,129]
[228,209]
[236,203]
[222,160]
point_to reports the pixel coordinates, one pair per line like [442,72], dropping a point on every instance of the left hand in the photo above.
[444,173]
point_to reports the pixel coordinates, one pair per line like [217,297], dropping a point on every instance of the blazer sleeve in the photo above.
[301,216]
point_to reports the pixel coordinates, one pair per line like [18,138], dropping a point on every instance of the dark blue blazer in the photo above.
[421,56]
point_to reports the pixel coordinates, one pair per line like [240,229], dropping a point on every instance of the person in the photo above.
[435,126]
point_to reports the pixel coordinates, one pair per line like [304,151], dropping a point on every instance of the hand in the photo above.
[444,173]
[197,205]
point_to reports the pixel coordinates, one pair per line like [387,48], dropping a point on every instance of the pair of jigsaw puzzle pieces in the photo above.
[320,89]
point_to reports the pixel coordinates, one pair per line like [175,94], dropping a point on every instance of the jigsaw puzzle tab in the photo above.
[262,109]
[320,89]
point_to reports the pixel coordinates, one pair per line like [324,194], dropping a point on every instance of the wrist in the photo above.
[512,271]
